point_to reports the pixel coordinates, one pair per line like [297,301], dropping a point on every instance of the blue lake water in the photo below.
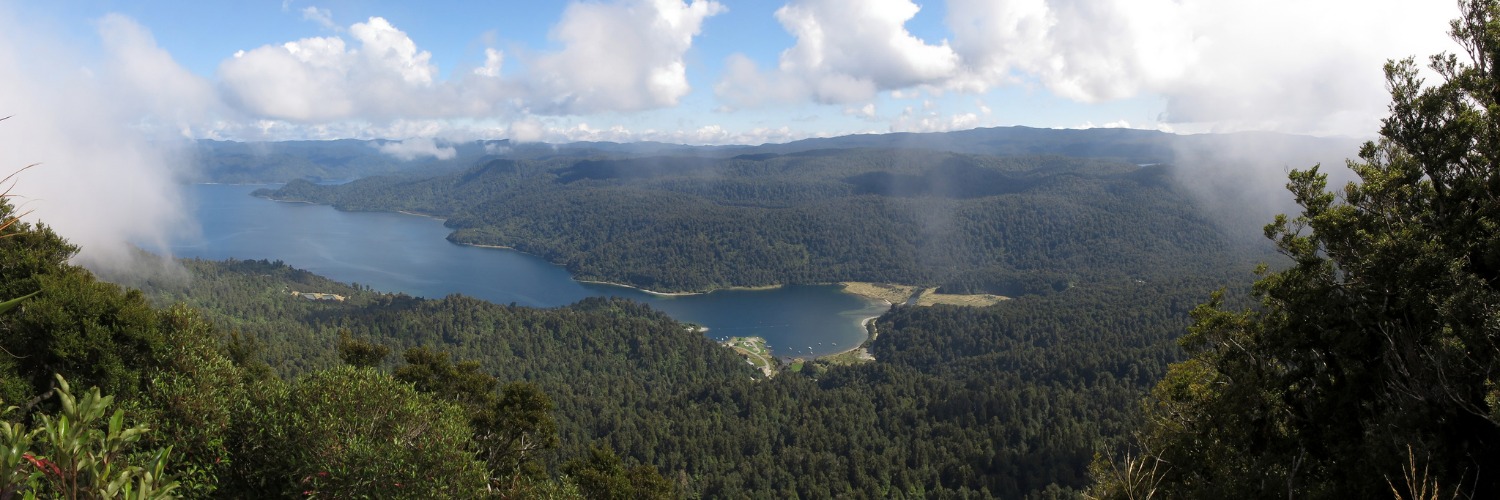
[404,253]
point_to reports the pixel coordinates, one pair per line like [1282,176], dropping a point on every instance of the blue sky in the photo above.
[718,71]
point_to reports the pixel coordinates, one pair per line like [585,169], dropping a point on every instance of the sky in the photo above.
[105,94]
[721,71]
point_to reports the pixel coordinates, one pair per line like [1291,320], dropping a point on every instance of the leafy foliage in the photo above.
[602,475]
[354,432]
[79,454]
[512,426]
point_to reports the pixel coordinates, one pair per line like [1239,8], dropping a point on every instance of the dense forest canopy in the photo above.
[967,402]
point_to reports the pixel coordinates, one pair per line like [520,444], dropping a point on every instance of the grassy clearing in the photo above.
[931,297]
[852,357]
[895,294]
[902,294]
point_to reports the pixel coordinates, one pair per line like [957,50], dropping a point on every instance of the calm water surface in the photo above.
[405,253]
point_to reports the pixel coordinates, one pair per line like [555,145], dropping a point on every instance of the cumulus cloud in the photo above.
[1086,51]
[1278,64]
[845,52]
[1311,67]
[102,182]
[417,147]
[323,79]
[620,56]
[493,59]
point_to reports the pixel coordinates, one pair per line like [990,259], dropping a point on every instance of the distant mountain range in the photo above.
[344,159]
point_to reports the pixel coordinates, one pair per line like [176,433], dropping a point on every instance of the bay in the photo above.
[401,253]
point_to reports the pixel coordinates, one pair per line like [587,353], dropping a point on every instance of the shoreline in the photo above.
[843,285]
[477,245]
[676,294]
[863,345]
[429,216]
[639,289]
[278,200]
[863,323]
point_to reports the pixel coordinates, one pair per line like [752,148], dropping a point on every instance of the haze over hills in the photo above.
[225,161]
[1001,211]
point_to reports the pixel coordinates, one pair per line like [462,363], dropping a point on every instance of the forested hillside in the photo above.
[1003,401]
[1010,226]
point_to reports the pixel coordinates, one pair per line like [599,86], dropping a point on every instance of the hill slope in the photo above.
[676,223]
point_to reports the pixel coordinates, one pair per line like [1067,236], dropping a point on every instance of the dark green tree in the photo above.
[352,432]
[603,475]
[359,352]
[1372,362]
[512,425]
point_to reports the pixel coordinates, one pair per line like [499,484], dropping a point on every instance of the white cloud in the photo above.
[618,56]
[151,80]
[323,17]
[1312,67]
[867,111]
[905,94]
[417,147]
[1114,124]
[323,79]
[623,56]
[1277,64]
[1320,72]
[386,48]
[526,130]
[845,52]
[102,183]
[932,120]
[493,59]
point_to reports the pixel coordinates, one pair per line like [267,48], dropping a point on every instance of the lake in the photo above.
[409,254]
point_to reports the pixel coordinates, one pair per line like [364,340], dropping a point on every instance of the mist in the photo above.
[105,179]
[1240,179]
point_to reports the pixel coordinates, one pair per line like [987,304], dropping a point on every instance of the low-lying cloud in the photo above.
[102,183]
[417,147]
[1240,179]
